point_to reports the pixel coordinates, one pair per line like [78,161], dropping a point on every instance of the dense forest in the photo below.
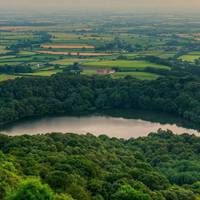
[55,166]
[77,94]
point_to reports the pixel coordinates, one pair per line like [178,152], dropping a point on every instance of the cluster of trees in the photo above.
[7,69]
[40,38]
[117,45]
[77,94]
[178,67]
[58,166]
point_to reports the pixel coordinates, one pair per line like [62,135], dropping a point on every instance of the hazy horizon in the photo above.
[118,5]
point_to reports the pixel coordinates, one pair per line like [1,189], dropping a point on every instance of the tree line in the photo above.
[162,166]
[76,94]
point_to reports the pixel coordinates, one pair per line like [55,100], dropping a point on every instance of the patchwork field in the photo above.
[44,72]
[44,47]
[191,57]
[3,49]
[74,39]
[70,61]
[5,77]
[74,53]
[124,64]
[138,75]
[13,28]
[68,46]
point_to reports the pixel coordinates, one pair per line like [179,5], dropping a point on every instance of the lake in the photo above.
[113,126]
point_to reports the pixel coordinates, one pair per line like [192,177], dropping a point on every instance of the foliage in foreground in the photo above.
[162,166]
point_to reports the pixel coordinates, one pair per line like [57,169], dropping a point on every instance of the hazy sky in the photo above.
[184,5]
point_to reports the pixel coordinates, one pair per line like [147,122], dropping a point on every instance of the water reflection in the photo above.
[120,124]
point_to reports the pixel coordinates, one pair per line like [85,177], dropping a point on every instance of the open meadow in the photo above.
[125,64]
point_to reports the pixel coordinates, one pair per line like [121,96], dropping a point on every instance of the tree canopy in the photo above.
[162,166]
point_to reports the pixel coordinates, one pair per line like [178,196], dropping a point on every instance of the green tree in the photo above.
[78,192]
[63,197]
[8,182]
[32,189]
[126,192]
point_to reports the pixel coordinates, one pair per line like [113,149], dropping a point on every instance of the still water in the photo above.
[114,126]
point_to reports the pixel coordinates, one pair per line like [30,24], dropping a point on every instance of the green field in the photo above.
[44,72]
[160,54]
[25,53]
[9,63]
[191,57]
[138,75]
[91,39]
[3,50]
[124,64]
[4,77]
[70,61]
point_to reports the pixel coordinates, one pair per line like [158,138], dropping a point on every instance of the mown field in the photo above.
[137,75]
[133,64]
[44,72]
[191,57]
[5,77]
[70,61]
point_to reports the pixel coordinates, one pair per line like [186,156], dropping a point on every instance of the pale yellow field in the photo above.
[68,46]
[74,53]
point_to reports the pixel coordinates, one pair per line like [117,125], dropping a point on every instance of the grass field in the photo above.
[3,50]
[138,75]
[25,53]
[89,72]
[6,57]
[4,77]
[191,57]
[124,64]
[69,61]
[44,72]
[72,46]
[9,63]
[160,54]
[87,54]
[90,39]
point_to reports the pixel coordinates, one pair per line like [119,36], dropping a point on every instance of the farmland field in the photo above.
[5,77]
[46,46]
[44,73]
[125,64]
[3,50]
[74,53]
[190,57]
[79,46]
[138,75]
[70,61]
